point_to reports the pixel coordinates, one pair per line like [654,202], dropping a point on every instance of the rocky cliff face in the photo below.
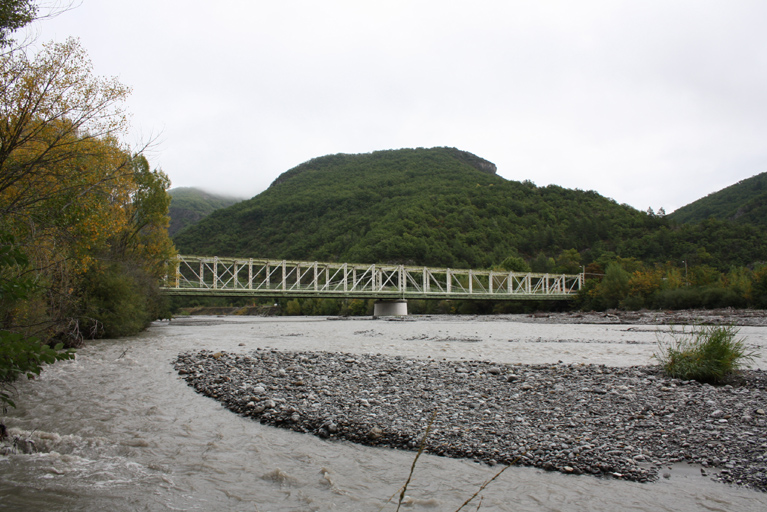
[473,160]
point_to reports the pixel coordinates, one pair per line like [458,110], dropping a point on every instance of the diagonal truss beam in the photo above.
[195,275]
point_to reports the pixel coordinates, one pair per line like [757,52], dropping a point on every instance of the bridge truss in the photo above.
[235,277]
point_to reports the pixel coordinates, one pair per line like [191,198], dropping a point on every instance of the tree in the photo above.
[91,214]
[14,14]
[644,283]
[51,109]
[569,262]
[515,264]
[145,236]
[119,291]
[293,308]
[759,298]
[63,175]
[615,285]
[83,219]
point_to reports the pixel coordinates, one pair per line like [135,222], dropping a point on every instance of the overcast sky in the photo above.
[651,103]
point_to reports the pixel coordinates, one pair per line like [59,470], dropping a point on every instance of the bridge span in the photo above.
[252,277]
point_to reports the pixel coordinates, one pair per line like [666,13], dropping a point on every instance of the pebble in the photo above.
[625,423]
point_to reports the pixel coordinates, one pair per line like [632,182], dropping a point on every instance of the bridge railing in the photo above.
[196,275]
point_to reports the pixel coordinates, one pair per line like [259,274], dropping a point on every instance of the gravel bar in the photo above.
[627,423]
[724,316]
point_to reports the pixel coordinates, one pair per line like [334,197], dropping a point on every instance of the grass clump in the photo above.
[707,354]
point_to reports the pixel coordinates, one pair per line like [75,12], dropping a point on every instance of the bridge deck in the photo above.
[237,277]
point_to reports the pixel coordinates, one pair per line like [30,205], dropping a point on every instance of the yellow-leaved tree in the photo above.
[85,210]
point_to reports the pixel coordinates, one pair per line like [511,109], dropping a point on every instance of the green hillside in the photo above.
[743,203]
[446,207]
[189,205]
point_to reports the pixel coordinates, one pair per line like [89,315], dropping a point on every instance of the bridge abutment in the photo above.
[390,308]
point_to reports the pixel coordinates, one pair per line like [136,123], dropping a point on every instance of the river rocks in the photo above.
[624,423]
[724,316]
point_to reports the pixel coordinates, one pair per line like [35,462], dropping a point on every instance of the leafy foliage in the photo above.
[13,287]
[708,354]
[631,284]
[14,14]
[119,299]
[515,264]
[80,205]
[19,355]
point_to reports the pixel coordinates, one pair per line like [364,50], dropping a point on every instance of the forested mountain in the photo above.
[189,205]
[446,207]
[744,203]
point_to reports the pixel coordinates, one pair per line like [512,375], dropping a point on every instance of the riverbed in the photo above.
[119,429]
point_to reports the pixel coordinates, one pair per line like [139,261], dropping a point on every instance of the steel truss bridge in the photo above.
[236,277]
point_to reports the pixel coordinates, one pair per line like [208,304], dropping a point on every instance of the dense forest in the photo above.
[421,206]
[446,207]
[83,217]
[189,205]
[743,203]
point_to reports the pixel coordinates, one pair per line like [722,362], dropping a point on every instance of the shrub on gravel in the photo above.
[706,354]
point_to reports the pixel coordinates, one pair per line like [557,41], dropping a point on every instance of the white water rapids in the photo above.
[117,429]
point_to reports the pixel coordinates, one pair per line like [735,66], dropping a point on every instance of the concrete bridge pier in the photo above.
[396,307]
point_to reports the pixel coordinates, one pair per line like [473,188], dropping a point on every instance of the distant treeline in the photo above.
[630,284]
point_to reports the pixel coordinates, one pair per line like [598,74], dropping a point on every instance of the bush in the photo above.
[120,300]
[293,308]
[708,354]
[22,356]
[678,298]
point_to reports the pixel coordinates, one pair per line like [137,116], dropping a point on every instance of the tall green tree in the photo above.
[615,285]
[120,289]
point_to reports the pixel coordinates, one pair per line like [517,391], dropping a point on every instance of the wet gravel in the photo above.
[629,422]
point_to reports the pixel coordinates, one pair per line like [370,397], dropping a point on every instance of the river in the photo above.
[117,429]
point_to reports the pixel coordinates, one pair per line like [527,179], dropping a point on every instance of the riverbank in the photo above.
[726,316]
[227,311]
[629,423]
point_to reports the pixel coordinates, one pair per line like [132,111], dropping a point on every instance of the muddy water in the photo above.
[117,429]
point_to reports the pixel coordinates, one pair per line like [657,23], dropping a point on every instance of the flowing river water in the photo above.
[117,429]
